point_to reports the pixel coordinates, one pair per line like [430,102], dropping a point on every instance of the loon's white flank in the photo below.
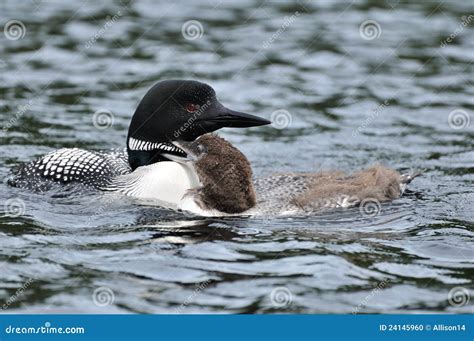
[164,181]
[188,204]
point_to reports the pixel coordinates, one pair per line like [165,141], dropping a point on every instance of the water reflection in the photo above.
[75,59]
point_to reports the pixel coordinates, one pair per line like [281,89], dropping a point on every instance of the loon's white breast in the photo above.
[165,182]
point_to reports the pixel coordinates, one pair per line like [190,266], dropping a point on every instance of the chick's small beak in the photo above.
[185,147]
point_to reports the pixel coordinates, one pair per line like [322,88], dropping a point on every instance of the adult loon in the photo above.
[226,186]
[172,110]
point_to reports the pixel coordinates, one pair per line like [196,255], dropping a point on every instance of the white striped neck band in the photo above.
[135,144]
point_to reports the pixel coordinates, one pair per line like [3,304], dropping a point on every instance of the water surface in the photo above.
[344,98]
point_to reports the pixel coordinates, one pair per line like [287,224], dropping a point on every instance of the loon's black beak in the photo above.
[218,116]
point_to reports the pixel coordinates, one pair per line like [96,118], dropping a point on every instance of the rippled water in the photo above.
[356,92]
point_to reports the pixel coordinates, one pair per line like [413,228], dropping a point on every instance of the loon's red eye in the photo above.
[190,107]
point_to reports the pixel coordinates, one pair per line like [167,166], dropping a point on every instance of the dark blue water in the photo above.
[348,84]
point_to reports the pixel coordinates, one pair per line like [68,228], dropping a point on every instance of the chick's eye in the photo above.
[202,149]
[191,107]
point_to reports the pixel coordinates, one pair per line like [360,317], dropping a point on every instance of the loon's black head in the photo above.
[174,110]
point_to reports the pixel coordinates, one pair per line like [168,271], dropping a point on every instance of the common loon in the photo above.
[172,110]
[227,188]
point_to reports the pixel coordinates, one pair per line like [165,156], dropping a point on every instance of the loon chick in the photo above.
[227,188]
[171,110]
